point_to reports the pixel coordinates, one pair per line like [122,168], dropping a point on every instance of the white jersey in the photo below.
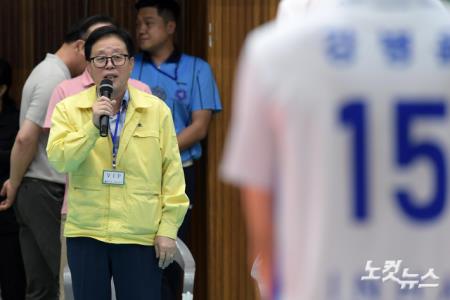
[292,9]
[345,118]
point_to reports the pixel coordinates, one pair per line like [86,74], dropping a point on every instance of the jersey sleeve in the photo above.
[205,94]
[249,153]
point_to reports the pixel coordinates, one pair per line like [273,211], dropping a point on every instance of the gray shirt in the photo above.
[35,98]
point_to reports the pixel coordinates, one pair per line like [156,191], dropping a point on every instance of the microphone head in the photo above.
[106,87]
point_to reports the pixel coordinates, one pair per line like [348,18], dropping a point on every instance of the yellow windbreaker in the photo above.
[151,202]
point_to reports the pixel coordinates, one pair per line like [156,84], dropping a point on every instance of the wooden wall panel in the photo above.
[51,20]
[15,47]
[31,28]
[192,38]
[121,10]
[228,270]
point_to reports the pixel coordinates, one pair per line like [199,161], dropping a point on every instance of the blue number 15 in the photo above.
[407,150]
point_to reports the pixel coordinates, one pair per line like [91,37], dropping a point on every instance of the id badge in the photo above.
[113,177]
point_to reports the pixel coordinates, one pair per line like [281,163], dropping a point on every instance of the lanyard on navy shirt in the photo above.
[175,78]
[115,137]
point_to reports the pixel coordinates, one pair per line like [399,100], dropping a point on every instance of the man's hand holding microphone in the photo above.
[103,108]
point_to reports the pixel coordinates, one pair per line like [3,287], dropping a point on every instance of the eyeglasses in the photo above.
[117,60]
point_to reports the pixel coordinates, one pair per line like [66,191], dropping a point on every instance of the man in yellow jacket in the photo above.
[127,191]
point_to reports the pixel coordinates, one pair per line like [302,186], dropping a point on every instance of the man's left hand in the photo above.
[9,191]
[165,248]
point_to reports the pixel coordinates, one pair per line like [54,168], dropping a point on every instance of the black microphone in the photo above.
[106,89]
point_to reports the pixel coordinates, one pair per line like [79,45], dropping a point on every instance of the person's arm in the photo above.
[257,209]
[26,143]
[205,100]
[22,154]
[250,161]
[196,131]
[68,146]
[173,197]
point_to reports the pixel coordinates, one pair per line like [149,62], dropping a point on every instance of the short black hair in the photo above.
[105,31]
[169,10]
[79,30]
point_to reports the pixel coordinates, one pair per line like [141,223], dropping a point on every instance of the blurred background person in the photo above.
[341,150]
[287,11]
[126,190]
[33,184]
[12,275]
[187,85]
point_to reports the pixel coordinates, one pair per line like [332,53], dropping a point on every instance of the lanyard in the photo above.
[174,78]
[115,138]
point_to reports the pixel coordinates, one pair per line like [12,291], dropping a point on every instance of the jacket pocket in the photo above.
[145,133]
[144,151]
[144,212]
[87,203]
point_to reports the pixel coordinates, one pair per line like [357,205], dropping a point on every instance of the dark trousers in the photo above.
[38,212]
[134,269]
[12,275]
[172,285]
